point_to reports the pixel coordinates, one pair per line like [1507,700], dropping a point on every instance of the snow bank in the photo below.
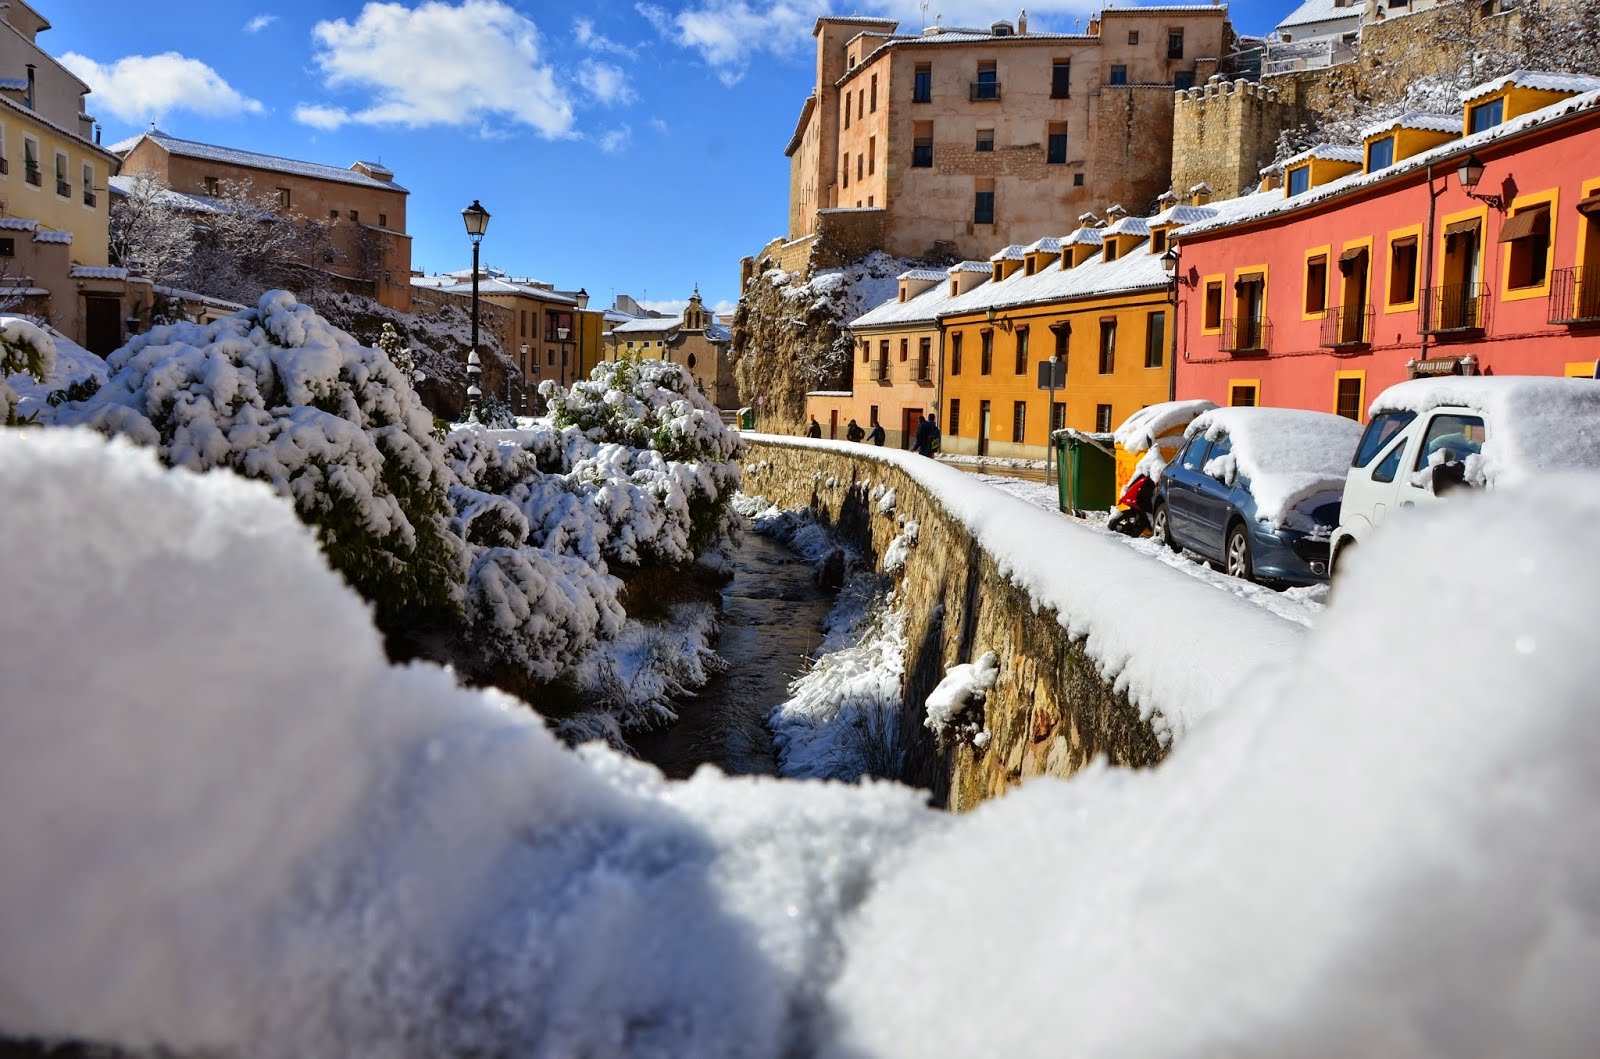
[1533,425]
[963,688]
[1176,669]
[215,848]
[1283,456]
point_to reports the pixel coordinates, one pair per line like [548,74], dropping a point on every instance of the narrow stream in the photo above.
[772,615]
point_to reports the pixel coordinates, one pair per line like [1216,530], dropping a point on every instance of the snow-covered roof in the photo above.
[1136,270]
[1084,237]
[1415,120]
[1046,245]
[1533,424]
[1313,11]
[1139,226]
[1182,214]
[1014,252]
[1326,152]
[13,84]
[253,160]
[925,275]
[922,309]
[648,324]
[970,266]
[98,272]
[1285,456]
[50,235]
[18,224]
[124,185]
[450,284]
[1543,80]
[950,37]
[1262,204]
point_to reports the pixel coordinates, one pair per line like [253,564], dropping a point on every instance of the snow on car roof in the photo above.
[1139,431]
[1284,456]
[1533,424]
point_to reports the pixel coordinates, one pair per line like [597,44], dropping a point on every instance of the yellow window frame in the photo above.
[1221,279]
[1324,251]
[1253,384]
[1393,237]
[1581,369]
[1361,402]
[1550,197]
[1481,214]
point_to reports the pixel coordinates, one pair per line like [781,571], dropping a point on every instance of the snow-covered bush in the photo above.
[955,707]
[278,394]
[537,610]
[26,349]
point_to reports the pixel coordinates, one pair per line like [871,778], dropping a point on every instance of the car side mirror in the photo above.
[1448,476]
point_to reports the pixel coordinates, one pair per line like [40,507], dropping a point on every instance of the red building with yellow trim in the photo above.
[1443,244]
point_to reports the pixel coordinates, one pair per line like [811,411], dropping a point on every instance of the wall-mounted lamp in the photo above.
[1469,172]
[1169,261]
[1469,365]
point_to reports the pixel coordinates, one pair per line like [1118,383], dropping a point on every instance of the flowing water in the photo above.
[772,615]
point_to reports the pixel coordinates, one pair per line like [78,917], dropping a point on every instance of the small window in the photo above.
[847,110]
[866,350]
[1133,36]
[955,358]
[1299,180]
[861,164]
[285,201]
[986,352]
[1155,339]
[983,207]
[872,155]
[333,215]
[1019,421]
[383,220]
[1457,435]
[953,421]
[922,145]
[1058,417]
[985,140]
[905,350]
[922,86]
[1022,351]
[30,161]
[1380,154]
[1183,80]
[1108,346]
[1194,453]
[1242,395]
[1213,306]
[987,85]
[1063,333]
[1316,284]
[355,215]
[88,185]
[861,103]
[1528,233]
[1347,398]
[1390,466]
[1061,79]
[873,100]
[8,247]
[846,170]
[1056,146]
[1403,270]
[1158,241]
[1119,75]
[63,186]
[1077,180]
[212,185]
[1174,43]
[1102,418]
[1485,116]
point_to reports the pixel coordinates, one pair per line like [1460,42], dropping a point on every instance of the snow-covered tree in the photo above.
[150,232]
[277,394]
[394,346]
[27,348]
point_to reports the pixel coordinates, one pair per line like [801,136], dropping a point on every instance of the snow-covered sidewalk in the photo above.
[1301,605]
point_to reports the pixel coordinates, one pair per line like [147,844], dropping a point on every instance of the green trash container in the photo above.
[1088,471]
[747,419]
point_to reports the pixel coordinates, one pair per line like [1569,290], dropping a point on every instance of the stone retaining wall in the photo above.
[1050,713]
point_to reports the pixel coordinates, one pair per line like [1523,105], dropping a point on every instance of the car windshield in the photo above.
[1384,426]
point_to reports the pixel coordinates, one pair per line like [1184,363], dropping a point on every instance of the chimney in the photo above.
[31,77]
[1022,22]
[1200,194]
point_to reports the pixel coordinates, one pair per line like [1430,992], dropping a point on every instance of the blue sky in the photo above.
[620,145]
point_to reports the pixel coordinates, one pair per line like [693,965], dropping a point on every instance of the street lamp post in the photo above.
[476,219]
[577,319]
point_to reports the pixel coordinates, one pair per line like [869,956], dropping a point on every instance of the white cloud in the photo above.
[730,34]
[660,125]
[605,83]
[665,306]
[321,117]
[141,88]
[583,32]
[469,63]
[724,309]
[259,23]
[615,140]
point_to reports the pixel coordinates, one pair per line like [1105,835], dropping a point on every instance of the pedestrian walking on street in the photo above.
[815,429]
[928,436]
[853,432]
[876,434]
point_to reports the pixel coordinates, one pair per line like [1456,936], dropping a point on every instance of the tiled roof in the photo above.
[1085,237]
[1265,204]
[1539,79]
[489,285]
[649,324]
[1139,226]
[1415,120]
[1314,11]
[926,275]
[1182,214]
[923,309]
[1327,152]
[971,266]
[123,185]
[18,224]
[50,235]
[98,272]
[230,156]
[13,84]
[1046,245]
[1014,252]
[1136,270]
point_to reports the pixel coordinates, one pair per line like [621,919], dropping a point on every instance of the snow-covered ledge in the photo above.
[1101,651]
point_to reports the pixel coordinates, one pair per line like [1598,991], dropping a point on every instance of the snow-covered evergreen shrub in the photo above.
[394,346]
[27,348]
[278,394]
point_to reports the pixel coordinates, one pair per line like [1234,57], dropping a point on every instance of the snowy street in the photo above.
[1302,605]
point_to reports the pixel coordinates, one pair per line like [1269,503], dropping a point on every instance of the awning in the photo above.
[1590,205]
[1525,225]
[1462,227]
[1355,253]
[1062,325]
[1403,242]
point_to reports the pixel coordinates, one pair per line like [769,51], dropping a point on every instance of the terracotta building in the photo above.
[53,179]
[971,139]
[696,340]
[1440,244]
[362,205]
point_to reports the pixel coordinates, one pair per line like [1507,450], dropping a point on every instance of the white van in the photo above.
[1427,437]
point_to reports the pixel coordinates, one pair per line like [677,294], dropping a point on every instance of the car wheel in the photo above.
[1239,554]
[1159,527]
[1339,566]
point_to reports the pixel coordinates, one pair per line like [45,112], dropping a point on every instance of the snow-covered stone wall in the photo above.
[1100,651]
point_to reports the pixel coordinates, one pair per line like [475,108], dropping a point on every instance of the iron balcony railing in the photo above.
[985,91]
[1246,336]
[5,166]
[1347,325]
[63,189]
[879,371]
[1575,295]
[1457,309]
[921,371]
[33,176]
[88,197]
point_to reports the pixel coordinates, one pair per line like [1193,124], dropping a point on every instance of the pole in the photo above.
[474,295]
[1050,420]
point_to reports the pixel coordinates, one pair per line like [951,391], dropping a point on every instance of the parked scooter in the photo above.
[1137,499]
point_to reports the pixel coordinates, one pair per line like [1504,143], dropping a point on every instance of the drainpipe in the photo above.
[1427,270]
[938,386]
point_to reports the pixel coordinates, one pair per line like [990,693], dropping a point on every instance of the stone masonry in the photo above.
[1051,713]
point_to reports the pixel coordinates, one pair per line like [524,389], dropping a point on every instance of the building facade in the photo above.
[695,340]
[967,140]
[363,207]
[1456,244]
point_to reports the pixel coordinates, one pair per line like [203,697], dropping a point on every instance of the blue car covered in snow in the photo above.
[1257,491]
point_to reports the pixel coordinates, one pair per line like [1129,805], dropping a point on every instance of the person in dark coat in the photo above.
[853,432]
[928,436]
[815,429]
[876,433]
